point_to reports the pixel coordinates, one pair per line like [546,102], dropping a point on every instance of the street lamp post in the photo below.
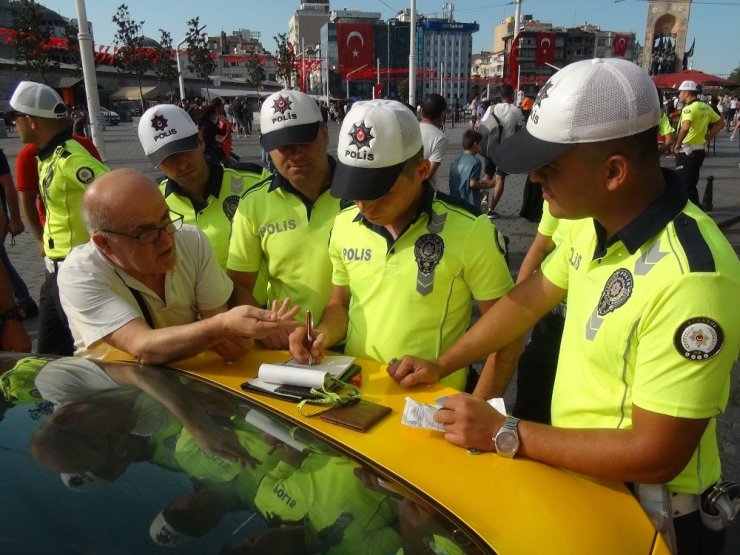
[350,73]
[88,72]
[178,58]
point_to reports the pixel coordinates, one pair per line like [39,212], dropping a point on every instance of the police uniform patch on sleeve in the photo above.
[699,338]
[231,203]
[85,175]
[617,290]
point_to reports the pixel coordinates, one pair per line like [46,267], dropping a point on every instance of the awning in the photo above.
[132,93]
[229,93]
[64,82]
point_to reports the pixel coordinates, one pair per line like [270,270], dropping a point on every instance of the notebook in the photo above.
[293,381]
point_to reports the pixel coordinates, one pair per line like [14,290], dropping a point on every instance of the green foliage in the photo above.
[200,61]
[31,39]
[74,56]
[255,72]
[735,76]
[285,59]
[165,67]
[131,57]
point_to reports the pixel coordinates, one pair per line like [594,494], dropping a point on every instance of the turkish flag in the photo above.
[514,62]
[378,90]
[545,53]
[355,45]
[620,44]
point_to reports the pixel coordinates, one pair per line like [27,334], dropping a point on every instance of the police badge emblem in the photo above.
[617,291]
[159,123]
[231,203]
[361,135]
[281,104]
[428,251]
[699,338]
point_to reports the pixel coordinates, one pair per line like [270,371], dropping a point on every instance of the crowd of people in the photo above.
[626,267]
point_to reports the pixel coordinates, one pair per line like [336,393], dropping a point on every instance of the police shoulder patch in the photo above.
[699,338]
[85,175]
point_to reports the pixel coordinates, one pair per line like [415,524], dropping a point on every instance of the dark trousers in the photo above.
[54,335]
[688,167]
[535,375]
[693,538]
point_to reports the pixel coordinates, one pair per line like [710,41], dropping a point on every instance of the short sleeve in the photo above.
[212,286]
[548,224]
[245,247]
[485,269]
[26,170]
[339,275]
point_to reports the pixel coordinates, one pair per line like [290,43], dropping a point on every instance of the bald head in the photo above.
[116,194]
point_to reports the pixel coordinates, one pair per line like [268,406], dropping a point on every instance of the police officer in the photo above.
[653,321]
[65,171]
[205,194]
[284,224]
[697,126]
[406,264]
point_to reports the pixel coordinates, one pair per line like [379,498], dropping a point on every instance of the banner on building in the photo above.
[545,53]
[514,62]
[355,46]
[620,44]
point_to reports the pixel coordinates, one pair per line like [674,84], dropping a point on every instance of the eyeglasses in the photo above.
[152,235]
[15,115]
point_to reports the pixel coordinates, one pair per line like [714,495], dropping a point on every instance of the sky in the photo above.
[713,23]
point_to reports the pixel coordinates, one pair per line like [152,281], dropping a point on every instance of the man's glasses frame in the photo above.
[152,235]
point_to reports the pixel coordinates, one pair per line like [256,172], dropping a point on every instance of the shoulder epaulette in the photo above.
[697,251]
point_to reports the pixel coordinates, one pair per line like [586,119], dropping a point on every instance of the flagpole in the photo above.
[517,17]
[412,57]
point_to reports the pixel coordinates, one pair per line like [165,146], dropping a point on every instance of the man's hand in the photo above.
[250,321]
[15,337]
[298,345]
[279,339]
[469,422]
[410,371]
[15,226]
[232,348]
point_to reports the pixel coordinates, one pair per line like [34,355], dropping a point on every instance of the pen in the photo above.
[309,336]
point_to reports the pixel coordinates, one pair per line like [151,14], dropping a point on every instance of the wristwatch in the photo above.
[506,439]
[10,314]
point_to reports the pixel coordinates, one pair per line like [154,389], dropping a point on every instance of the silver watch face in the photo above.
[507,442]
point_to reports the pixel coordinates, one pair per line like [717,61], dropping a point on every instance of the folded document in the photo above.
[294,381]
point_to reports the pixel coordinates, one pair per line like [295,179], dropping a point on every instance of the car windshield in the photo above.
[108,457]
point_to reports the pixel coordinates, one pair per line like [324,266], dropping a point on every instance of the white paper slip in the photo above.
[419,415]
[498,404]
[282,374]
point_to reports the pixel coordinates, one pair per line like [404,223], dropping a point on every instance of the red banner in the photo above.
[545,53]
[620,44]
[514,62]
[355,45]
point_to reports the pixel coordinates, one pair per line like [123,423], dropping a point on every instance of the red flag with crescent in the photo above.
[355,45]
[620,44]
[514,62]
[545,53]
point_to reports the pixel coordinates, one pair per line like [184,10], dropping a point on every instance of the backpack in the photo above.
[491,134]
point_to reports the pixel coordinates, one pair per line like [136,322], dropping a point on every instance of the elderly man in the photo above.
[148,285]
[406,265]
[285,223]
[653,321]
[65,170]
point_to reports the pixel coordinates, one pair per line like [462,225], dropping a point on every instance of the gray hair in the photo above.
[96,217]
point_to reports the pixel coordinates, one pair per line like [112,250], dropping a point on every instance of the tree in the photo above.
[31,39]
[735,76]
[200,61]
[285,59]
[165,67]
[255,72]
[131,57]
